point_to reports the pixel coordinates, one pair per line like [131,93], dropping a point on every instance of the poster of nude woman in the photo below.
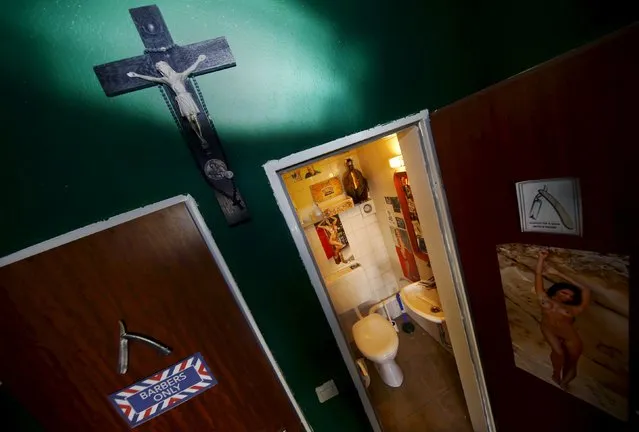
[568,319]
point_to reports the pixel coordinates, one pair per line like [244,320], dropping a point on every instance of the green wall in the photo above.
[308,72]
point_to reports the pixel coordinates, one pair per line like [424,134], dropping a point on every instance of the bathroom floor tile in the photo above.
[431,398]
[438,415]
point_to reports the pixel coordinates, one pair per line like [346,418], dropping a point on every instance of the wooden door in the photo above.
[575,116]
[59,337]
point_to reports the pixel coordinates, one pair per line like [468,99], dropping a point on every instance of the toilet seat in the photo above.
[376,338]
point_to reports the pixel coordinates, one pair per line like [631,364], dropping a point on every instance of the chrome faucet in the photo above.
[429,284]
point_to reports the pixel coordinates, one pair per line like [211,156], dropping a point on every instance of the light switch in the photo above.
[326,391]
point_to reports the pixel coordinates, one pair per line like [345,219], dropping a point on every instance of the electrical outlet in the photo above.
[326,391]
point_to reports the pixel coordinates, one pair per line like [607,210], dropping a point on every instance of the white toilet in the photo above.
[374,336]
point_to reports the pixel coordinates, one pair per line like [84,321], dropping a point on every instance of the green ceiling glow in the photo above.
[286,55]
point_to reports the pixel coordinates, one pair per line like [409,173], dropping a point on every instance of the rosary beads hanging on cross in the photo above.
[161,64]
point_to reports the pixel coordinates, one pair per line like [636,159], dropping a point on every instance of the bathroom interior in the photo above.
[362,228]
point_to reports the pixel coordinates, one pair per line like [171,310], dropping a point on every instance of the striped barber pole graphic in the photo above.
[163,391]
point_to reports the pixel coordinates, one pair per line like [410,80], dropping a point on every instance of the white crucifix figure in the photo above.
[184,99]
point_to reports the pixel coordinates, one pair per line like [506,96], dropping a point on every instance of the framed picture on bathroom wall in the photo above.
[333,238]
[401,238]
[409,212]
[397,208]
[309,171]
[392,204]
[390,216]
[326,190]
[405,254]
[421,243]
[296,175]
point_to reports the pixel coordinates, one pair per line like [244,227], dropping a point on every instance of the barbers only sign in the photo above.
[163,391]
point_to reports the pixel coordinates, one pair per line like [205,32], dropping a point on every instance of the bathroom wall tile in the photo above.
[365,263]
[362,230]
[375,283]
[380,292]
[380,250]
[348,229]
[381,259]
[390,283]
[367,259]
[372,272]
[372,225]
[350,214]
[363,243]
[370,220]
[357,230]
[355,244]
[357,218]
[385,267]
[371,269]
[353,222]
[353,214]
[353,228]
[356,253]
[376,251]
[377,242]
[381,262]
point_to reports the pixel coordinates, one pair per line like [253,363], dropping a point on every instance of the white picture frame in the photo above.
[550,206]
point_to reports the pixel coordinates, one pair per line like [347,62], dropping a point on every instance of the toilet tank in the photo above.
[348,288]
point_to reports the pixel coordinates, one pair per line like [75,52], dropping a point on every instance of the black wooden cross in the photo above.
[159,47]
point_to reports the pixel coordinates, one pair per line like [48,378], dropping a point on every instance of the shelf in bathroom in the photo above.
[331,207]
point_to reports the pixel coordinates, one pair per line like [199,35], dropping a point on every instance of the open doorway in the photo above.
[369,218]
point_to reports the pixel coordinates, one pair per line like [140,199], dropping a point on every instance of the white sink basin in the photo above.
[424,301]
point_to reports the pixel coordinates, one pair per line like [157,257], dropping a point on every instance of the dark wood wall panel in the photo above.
[574,116]
[59,334]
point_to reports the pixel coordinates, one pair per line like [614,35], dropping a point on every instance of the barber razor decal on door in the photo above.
[550,206]
[163,391]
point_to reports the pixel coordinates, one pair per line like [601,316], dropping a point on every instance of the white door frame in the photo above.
[191,206]
[276,167]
